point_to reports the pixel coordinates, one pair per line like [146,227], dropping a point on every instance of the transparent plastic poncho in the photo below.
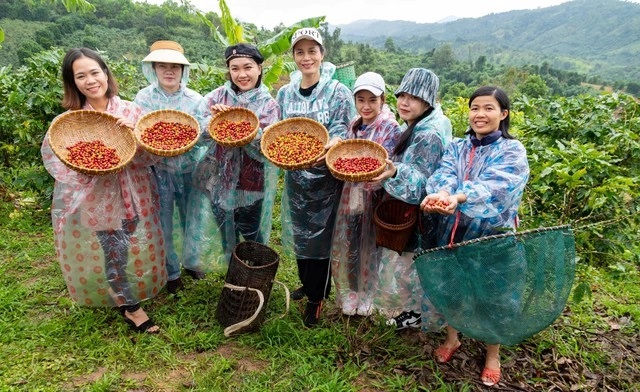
[106,229]
[354,255]
[234,187]
[173,174]
[310,197]
[398,283]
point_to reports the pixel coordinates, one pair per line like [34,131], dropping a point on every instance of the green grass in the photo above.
[51,344]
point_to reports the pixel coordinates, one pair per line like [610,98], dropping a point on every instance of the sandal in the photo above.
[444,354]
[490,377]
[144,327]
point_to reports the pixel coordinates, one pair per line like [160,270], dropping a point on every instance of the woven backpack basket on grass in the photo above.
[295,124]
[235,115]
[242,303]
[166,115]
[356,148]
[76,126]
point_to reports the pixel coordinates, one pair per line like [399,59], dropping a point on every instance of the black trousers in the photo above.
[315,275]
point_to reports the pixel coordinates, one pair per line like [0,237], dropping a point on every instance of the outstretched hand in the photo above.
[388,172]
[440,203]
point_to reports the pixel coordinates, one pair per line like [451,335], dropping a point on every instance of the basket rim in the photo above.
[497,236]
[137,131]
[234,143]
[300,165]
[124,161]
[254,243]
[396,227]
[356,177]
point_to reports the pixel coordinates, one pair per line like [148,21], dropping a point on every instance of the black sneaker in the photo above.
[312,313]
[405,320]
[297,294]
[173,286]
[196,275]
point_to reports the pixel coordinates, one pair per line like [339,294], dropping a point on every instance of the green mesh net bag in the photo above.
[503,288]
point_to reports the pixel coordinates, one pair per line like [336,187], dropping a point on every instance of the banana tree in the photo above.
[273,49]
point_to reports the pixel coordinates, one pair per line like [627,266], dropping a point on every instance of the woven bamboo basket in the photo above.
[166,115]
[295,124]
[394,221]
[89,125]
[249,280]
[354,148]
[235,115]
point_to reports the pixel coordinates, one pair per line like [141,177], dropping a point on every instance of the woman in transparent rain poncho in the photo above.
[310,197]
[106,229]
[354,256]
[167,71]
[426,133]
[235,186]
[480,181]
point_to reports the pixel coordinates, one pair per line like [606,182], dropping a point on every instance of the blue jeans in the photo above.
[173,190]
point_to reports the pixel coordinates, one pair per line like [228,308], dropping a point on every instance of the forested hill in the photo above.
[589,36]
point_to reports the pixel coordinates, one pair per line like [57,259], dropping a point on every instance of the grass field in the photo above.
[48,343]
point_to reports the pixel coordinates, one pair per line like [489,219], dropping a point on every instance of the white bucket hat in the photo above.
[166,52]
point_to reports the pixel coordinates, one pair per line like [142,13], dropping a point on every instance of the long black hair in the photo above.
[403,143]
[503,101]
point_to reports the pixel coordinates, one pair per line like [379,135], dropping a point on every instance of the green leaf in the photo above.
[581,290]
[78,6]
[281,42]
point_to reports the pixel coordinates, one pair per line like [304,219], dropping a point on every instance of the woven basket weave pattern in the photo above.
[354,148]
[252,265]
[89,125]
[296,124]
[394,221]
[166,115]
[235,115]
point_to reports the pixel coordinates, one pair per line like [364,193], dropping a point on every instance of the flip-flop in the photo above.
[490,377]
[444,354]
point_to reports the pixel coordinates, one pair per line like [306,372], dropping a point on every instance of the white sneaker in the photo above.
[365,308]
[350,304]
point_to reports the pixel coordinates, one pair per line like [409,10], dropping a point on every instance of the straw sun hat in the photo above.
[166,52]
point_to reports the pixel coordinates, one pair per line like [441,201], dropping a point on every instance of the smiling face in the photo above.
[308,57]
[169,76]
[90,80]
[410,107]
[485,115]
[368,106]
[244,72]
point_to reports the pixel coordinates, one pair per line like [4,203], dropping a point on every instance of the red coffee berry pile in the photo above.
[294,147]
[232,130]
[93,155]
[168,135]
[438,203]
[356,165]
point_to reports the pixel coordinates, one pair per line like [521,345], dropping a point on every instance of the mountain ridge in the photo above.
[597,36]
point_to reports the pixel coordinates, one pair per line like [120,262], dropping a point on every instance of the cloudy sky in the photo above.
[269,13]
